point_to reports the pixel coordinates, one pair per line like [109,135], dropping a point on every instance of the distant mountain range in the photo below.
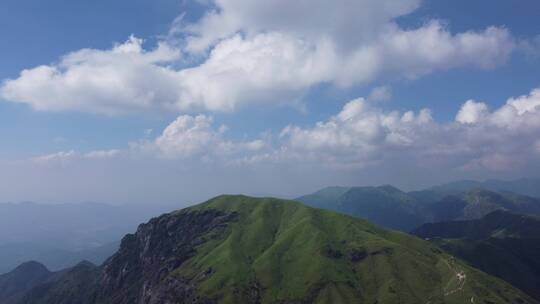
[238,249]
[396,209]
[55,259]
[523,186]
[385,205]
[62,235]
[501,243]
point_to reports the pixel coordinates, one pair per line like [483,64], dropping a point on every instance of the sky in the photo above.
[169,101]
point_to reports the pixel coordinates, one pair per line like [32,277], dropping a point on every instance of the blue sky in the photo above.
[39,121]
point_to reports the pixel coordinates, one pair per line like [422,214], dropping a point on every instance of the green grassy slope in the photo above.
[502,244]
[285,252]
[239,249]
[514,260]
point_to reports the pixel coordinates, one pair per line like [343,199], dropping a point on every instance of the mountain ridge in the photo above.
[392,208]
[238,249]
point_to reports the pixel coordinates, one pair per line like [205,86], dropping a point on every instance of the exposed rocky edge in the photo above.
[140,271]
[238,249]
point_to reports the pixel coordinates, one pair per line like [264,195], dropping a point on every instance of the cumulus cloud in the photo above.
[357,136]
[188,136]
[195,137]
[124,78]
[471,112]
[256,52]
[526,103]
[364,135]
[361,135]
[361,144]
[347,22]
[360,39]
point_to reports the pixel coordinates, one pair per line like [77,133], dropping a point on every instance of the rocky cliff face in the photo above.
[143,269]
[140,272]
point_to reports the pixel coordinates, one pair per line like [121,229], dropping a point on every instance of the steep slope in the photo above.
[503,244]
[16,283]
[385,205]
[237,249]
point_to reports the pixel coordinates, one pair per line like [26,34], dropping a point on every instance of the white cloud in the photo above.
[271,67]
[102,154]
[64,158]
[363,135]
[472,112]
[196,137]
[361,144]
[61,157]
[527,103]
[187,136]
[256,52]
[349,23]
[122,79]
[357,136]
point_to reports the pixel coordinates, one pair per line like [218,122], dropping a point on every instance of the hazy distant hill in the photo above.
[503,244]
[62,235]
[15,284]
[55,259]
[524,186]
[474,204]
[238,249]
[385,205]
[393,208]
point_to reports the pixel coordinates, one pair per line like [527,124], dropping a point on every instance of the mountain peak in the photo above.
[389,188]
[22,279]
[31,267]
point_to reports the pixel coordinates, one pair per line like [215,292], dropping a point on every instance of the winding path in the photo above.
[461,277]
